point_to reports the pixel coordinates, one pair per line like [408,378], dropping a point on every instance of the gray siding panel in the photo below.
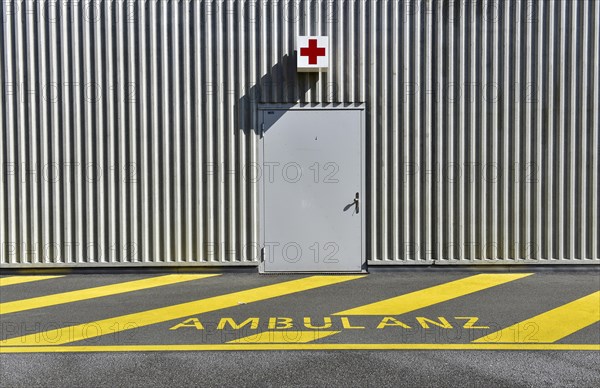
[129,128]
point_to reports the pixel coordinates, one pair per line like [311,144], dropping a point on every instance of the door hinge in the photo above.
[262,129]
[262,254]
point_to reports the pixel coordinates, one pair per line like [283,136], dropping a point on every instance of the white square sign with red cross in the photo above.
[313,53]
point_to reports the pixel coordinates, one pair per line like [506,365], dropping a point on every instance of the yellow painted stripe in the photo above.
[131,321]
[284,336]
[10,280]
[95,292]
[292,346]
[433,295]
[552,325]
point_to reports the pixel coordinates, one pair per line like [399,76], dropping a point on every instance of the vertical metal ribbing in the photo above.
[338,91]
[429,175]
[129,131]
[416,138]
[537,221]
[595,154]
[206,126]
[196,105]
[132,167]
[381,82]
[165,121]
[438,153]
[482,144]
[295,14]
[371,90]
[591,71]
[36,95]
[247,169]
[231,218]
[308,21]
[290,17]
[184,141]
[303,29]
[98,135]
[351,69]
[87,142]
[572,130]
[4,243]
[317,25]
[561,136]
[549,134]
[253,135]
[143,252]
[21,128]
[154,124]
[275,22]
[449,98]
[9,134]
[69,167]
[361,54]
[405,194]
[492,170]
[109,176]
[58,136]
[186,144]
[174,101]
[126,238]
[220,128]
[470,180]
[462,63]
[31,101]
[529,169]
[78,127]
[396,183]
[232,134]
[244,167]
[20,204]
[581,158]
[516,99]
[504,98]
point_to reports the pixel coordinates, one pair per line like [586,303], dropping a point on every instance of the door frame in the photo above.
[261,195]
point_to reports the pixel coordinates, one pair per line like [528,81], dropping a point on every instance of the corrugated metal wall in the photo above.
[128,128]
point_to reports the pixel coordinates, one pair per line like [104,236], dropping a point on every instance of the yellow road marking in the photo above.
[284,336]
[132,321]
[292,346]
[552,325]
[433,295]
[95,292]
[10,280]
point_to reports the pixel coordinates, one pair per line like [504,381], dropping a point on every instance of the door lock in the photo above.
[356,203]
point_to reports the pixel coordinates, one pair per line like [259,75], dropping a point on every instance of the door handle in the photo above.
[356,203]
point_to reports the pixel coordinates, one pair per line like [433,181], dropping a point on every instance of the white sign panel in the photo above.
[313,53]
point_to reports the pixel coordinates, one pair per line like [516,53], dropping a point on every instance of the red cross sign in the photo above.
[313,53]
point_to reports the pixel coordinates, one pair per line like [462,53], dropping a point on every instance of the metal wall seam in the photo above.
[552,128]
[396,170]
[542,127]
[573,98]
[595,154]
[130,132]
[31,145]
[482,160]
[3,159]
[438,153]
[585,125]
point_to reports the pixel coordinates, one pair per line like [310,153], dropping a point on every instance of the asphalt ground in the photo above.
[524,328]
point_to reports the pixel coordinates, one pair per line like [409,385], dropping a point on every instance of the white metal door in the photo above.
[312,190]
